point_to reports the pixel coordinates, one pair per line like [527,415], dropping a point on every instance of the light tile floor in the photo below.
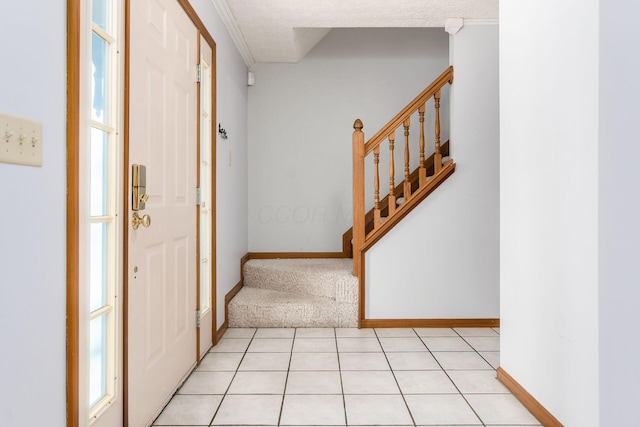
[349,377]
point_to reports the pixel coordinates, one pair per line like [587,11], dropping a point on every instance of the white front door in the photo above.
[162,257]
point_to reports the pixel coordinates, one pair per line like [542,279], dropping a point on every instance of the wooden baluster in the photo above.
[392,175]
[407,183]
[423,169]
[437,157]
[376,188]
[358,196]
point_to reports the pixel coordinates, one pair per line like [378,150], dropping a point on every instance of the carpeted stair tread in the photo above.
[325,277]
[263,297]
[266,308]
[305,292]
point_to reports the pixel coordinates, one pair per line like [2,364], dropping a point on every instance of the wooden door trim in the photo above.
[73,217]
[125,214]
[73,205]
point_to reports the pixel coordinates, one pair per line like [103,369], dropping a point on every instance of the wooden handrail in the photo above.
[365,225]
[412,107]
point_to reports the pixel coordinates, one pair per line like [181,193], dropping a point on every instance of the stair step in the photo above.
[323,277]
[266,308]
[305,292]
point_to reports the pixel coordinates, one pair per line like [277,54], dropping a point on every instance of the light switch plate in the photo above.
[20,141]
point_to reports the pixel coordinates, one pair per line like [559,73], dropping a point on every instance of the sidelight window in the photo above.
[99,151]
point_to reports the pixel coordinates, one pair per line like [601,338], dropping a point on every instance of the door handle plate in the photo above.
[139,194]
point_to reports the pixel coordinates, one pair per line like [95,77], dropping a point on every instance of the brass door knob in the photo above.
[136,221]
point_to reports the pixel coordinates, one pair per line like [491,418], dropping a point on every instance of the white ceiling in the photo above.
[286,30]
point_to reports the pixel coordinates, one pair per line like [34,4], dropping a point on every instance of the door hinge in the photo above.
[197,318]
[198,73]
[198,196]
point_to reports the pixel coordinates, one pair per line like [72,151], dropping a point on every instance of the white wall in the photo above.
[619,212]
[549,203]
[32,218]
[231,185]
[301,121]
[445,253]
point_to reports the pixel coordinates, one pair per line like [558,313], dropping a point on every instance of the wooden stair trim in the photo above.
[414,179]
[294,255]
[347,249]
[228,297]
[409,205]
[435,86]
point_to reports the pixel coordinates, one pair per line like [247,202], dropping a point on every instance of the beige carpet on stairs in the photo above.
[310,292]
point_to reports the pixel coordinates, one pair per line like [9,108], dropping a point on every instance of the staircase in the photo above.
[414,180]
[281,293]
[329,292]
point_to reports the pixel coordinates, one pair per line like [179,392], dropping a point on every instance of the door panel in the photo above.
[162,258]
[153,296]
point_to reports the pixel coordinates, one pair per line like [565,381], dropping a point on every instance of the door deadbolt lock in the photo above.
[137,221]
[139,194]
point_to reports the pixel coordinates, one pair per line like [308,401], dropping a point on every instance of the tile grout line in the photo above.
[394,375]
[286,380]
[335,339]
[232,378]
[344,399]
[474,349]
[450,379]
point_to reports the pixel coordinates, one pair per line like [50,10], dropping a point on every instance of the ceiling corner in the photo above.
[229,20]
[306,39]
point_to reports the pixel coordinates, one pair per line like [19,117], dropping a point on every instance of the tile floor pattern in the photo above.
[348,377]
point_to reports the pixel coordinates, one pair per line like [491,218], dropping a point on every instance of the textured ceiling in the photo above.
[286,30]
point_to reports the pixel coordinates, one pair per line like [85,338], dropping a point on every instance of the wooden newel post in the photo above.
[358,195]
